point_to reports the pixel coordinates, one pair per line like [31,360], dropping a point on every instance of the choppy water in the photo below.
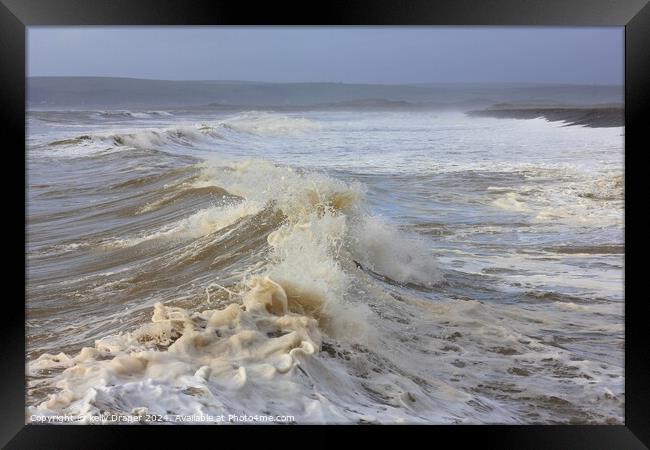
[340,267]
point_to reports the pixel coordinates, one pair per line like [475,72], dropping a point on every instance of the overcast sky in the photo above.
[391,55]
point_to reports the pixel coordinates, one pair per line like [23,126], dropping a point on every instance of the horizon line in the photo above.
[547,83]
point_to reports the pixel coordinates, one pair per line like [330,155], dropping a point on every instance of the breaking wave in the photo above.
[189,135]
[273,321]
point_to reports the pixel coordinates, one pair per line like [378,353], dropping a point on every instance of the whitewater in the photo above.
[328,266]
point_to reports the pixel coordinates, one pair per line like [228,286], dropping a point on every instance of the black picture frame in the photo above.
[634,15]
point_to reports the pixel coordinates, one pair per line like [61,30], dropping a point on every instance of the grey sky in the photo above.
[389,55]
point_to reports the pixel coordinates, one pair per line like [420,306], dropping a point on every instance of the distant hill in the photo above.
[101,92]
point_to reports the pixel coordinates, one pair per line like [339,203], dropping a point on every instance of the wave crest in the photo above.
[275,319]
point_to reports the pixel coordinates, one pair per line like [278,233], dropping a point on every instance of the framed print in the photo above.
[372,213]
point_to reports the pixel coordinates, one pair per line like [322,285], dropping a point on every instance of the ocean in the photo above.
[326,266]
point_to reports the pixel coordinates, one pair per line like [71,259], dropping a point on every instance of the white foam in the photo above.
[252,346]
[270,124]
[384,249]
